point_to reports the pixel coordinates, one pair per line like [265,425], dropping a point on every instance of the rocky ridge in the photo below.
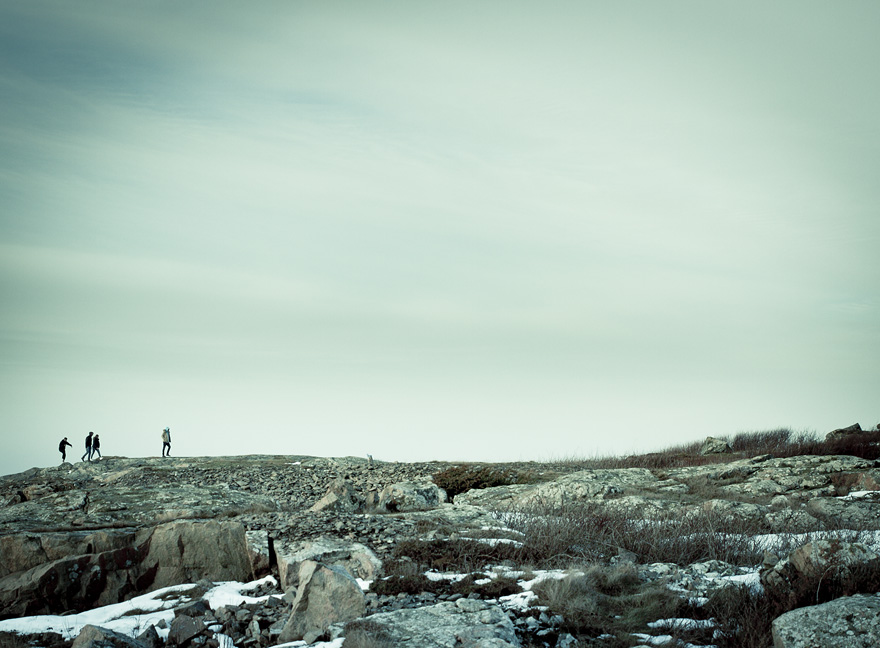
[77,536]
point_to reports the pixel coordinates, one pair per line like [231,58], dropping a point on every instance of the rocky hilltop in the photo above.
[369,553]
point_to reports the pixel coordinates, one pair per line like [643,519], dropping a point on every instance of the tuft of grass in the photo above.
[363,633]
[607,601]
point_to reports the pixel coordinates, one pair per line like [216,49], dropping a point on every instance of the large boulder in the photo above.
[840,433]
[183,629]
[341,496]
[466,622]
[846,622]
[357,559]
[715,446]
[326,595]
[186,551]
[808,564]
[406,497]
[97,637]
[850,513]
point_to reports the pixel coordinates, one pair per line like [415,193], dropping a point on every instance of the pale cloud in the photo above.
[386,218]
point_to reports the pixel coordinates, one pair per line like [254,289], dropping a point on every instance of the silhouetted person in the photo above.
[62,448]
[166,442]
[96,446]
[88,454]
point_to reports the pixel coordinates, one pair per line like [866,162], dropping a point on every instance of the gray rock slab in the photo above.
[465,622]
[847,622]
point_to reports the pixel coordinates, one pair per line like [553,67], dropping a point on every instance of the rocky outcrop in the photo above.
[124,565]
[406,497]
[715,446]
[117,506]
[466,622]
[186,551]
[816,560]
[846,622]
[326,595]
[840,433]
[341,496]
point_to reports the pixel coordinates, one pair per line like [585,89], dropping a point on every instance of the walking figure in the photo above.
[88,454]
[166,442]
[62,448]
[96,446]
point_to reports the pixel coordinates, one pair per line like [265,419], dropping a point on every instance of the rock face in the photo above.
[466,622]
[847,622]
[186,551]
[122,565]
[325,595]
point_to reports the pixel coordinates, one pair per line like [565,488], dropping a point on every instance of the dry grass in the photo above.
[364,633]
[460,479]
[556,536]
[781,442]
[607,601]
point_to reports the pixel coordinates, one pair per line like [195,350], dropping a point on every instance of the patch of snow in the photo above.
[664,640]
[119,617]
[780,541]
[683,624]
[439,576]
[492,542]
[230,593]
[133,616]
[521,601]
[860,495]
[752,580]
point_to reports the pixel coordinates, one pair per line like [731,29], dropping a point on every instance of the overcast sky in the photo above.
[450,230]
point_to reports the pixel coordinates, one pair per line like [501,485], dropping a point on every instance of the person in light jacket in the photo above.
[166,442]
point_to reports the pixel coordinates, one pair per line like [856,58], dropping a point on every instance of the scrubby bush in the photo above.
[556,536]
[460,479]
[453,555]
[744,615]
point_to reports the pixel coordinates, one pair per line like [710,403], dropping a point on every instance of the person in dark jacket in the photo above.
[62,448]
[96,446]
[88,454]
